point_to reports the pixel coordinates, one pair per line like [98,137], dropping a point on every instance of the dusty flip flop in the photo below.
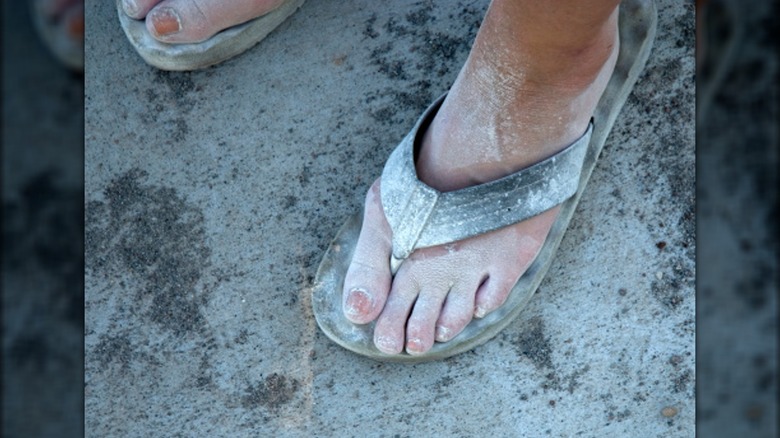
[420,216]
[222,46]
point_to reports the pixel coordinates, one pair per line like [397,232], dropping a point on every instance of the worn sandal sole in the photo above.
[638,21]
[220,47]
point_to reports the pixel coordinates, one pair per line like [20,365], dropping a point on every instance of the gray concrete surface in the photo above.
[210,197]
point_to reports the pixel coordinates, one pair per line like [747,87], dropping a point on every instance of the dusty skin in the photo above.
[507,109]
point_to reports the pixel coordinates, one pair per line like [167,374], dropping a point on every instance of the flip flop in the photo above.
[420,216]
[220,47]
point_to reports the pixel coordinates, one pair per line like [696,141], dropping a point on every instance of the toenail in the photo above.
[165,21]
[358,302]
[131,7]
[443,334]
[414,345]
[385,344]
[480,312]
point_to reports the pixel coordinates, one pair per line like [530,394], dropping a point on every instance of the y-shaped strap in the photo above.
[421,216]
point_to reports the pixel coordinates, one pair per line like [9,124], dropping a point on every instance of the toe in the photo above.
[457,311]
[138,8]
[420,329]
[368,278]
[166,23]
[520,243]
[491,295]
[390,329]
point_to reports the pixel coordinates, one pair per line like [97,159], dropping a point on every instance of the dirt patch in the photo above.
[438,54]
[153,234]
[272,393]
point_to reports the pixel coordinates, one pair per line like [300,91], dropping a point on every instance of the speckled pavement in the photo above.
[211,196]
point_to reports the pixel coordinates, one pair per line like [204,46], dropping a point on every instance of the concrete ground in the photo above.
[211,196]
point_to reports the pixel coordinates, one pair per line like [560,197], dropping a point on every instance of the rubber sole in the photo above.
[222,46]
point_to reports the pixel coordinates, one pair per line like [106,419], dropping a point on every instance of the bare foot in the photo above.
[192,21]
[514,103]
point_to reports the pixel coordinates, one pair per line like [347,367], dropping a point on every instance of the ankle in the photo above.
[508,111]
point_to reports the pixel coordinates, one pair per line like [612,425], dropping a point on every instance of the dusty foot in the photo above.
[191,21]
[506,110]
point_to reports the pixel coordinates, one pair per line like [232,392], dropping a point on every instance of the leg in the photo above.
[527,90]
[190,21]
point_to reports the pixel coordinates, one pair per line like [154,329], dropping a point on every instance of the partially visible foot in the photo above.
[193,21]
[509,108]
[60,24]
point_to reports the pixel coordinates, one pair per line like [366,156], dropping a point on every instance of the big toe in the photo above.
[368,278]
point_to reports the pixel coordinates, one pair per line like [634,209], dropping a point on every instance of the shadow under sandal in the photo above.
[421,216]
[220,47]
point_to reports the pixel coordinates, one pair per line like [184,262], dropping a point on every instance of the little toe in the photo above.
[491,295]
[368,278]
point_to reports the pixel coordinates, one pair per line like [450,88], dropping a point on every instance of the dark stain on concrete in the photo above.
[682,381]
[171,97]
[438,54]
[618,415]
[675,285]
[179,86]
[154,234]
[272,393]
[113,349]
[533,344]
[612,412]
[204,378]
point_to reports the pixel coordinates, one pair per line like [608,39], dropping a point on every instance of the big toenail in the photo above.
[130,7]
[358,302]
[165,21]
[443,334]
[480,312]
